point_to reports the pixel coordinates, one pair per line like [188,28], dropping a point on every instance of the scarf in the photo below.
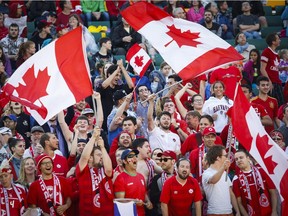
[241,49]
[200,158]
[96,179]
[150,166]
[52,200]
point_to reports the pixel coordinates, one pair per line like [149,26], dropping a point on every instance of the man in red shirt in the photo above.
[94,173]
[13,197]
[269,103]
[254,190]
[49,193]
[130,184]
[180,192]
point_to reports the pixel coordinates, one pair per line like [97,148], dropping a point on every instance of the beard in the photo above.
[183,176]
[164,126]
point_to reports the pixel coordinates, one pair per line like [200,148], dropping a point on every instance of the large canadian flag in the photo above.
[188,47]
[138,59]
[53,79]
[252,135]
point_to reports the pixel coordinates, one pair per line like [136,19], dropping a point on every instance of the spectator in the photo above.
[3,74]
[113,8]
[224,18]
[131,184]
[218,191]
[123,37]
[96,196]
[269,103]
[248,23]
[154,156]
[192,120]
[179,12]
[246,185]
[16,200]
[3,29]
[162,137]
[10,121]
[242,46]
[94,10]
[269,67]
[27,174]
[26,50]
[196,12]
[6,62]
[210,25]
[43,34]
[278,137]
[37,8]
[187,186]
[283,66]
[11,44]
[284,128]
[5,134]
[64,16]
[61,200]
[171,5]
[35,148]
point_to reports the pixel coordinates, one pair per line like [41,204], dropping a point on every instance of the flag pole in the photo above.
[229,140]
[163,90]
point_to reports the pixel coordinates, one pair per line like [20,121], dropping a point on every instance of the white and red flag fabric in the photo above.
[251,134]
[138,59]
[53,79]
[188,47]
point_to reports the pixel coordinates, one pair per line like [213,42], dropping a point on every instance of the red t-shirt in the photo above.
[180,198]
[271,106]
[92,203]
[196,82]
[15,204]
[272,60]
[36,195]
[255,204]
[133,187]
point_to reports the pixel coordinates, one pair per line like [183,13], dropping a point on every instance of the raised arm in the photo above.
[216,177]
[65,128]
[151,124]
[109,79]
[105,158]
[182,110]
[100,115]
[125,74]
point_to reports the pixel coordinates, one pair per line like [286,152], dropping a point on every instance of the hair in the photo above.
[23,49]
[163,64]
[61,4]
[111,69]
[139,142]
[270,38]
[200,4]
[282,52]
[156,150]
[163,113]
[261,78]
[236,38]
[176,10]
[141,85]
[189,105]
[182,159]
[209,11]
[2,57]
[213,153]
[123,132]
[225,96]
[247,86]
[194,114]
[285,107]
[76,17]
[244,151]
[14,25]
[208,117]
[22,179]
[94,149]
[12,142]
[45,137]
[104,40]
[175,77]
[258,62]
[82,117]
[130,118]
[220,3]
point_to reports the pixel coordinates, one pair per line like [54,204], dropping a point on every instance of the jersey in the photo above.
[271,58]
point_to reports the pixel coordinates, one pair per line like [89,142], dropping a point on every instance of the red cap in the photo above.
[40,158]
[6,169]
[168,153]
[208,130]
[60,27]
[275,133]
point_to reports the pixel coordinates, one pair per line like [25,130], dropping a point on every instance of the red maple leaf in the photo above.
[35,87]
[263,147]
[139,61]
[182,38]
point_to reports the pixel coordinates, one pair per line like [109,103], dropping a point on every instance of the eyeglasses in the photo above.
[277,138]
[132,156]
[165,159]
[198,100]
[46,163]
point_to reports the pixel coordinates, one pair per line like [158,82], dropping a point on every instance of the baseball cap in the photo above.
[127,152]
[119,94]
[11,117]
[37,128]
[168,153]
[87,111]
[275,133]
[60,27]
[40,158]
[208,130]
[52,14]
[5,130]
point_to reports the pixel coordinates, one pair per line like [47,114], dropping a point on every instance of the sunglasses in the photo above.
[165,159]
[278,138]
[131,156]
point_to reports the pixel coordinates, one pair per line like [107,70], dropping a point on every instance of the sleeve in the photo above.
[236,187]
[33,194]
[264,56]
[165,194]
[119,184]
[188,145]
[193,160]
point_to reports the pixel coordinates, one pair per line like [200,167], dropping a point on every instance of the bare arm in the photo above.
[216,177]
[109,79]
[234,201]
[75,140]
[274,200]
[241,207]
[100,115]
[164,209]
[277,122]
[202,89]
[151,124]
[65,129]
[125,74]
[105,157]
[266,121]
[198,208]
[182,110]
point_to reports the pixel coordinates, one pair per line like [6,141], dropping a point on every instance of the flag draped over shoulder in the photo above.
[252,135]
[53,79]
[188,47]
[138,59]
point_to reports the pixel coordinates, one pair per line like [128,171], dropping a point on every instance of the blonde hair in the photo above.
[282,52]
[22,175]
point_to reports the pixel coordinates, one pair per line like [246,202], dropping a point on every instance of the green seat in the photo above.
[283,44]
[123,57]
[158,59]
[260,44]
[267,10]
[30,27]
[279,10]
[274,20]
[99,23]
[231,42]
[268,30]
[97,36]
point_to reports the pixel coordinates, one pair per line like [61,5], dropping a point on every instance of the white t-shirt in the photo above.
[217,195]
[166,141]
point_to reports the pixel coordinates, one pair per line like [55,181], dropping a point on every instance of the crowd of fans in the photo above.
[135,139]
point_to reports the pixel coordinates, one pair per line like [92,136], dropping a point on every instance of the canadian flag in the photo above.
[188,47]
[252,135]
[53,79]
[138,59]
